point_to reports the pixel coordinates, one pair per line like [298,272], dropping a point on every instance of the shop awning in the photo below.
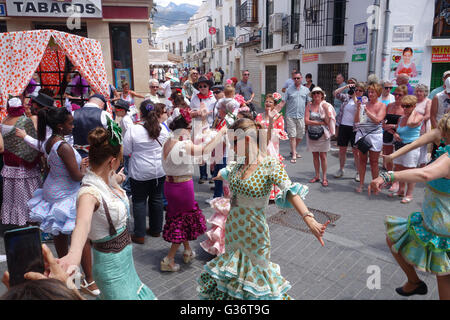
[161,63]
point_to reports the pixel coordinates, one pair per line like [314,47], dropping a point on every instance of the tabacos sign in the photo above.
[55,8]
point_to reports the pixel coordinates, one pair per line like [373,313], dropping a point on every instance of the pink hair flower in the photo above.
[239,99]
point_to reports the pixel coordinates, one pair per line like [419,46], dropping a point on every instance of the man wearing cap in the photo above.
[441,88]
[91,116]
[123,118]
[217,91]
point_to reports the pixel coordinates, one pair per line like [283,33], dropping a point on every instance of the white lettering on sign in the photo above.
[51,8]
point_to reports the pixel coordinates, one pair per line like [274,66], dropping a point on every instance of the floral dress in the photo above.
[274,146]
[423,239]
[245,271]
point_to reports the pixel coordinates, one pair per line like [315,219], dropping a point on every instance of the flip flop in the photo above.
[293,160]
[325,183]
[406,200]
[314,180]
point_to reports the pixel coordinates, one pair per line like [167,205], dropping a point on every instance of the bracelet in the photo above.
[385,177]
[391,174]
[308,214]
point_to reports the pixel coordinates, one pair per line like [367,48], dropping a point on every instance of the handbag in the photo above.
[315,132]
[363,145]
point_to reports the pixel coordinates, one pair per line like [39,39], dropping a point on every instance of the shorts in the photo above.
[346,135]
[295,127]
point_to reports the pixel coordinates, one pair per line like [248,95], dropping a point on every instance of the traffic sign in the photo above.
[212,31]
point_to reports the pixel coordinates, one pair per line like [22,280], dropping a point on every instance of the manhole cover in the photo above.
[291,219]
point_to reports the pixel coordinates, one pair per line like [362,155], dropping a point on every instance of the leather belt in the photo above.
[114,245]
[178,179]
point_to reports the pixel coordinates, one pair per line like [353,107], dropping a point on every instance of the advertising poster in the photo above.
[409,61]
[122,75]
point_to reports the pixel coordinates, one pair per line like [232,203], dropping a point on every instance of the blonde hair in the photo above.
[409,100]
[403,89]
[376,87]
[229,91]
[444,124]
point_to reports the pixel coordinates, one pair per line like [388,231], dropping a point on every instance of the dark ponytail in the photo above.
[51,117]
[150,114]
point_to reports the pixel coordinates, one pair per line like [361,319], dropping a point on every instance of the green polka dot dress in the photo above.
[423,239]
[245,271]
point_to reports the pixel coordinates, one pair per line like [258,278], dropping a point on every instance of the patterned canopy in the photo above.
[22,52]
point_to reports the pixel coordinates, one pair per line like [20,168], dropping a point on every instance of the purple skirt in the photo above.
[184,219]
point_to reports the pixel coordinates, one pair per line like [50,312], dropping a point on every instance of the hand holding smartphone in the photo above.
[23,253]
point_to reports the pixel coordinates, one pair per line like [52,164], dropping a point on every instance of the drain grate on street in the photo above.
[291,219]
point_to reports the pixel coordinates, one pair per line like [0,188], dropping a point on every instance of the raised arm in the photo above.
[434,111]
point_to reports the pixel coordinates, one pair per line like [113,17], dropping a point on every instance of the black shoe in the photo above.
[202,181]
[421,289]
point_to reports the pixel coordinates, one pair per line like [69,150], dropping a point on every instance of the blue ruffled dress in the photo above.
[423,239]
[245,271]
[54,206]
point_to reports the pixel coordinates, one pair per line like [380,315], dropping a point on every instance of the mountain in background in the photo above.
[173,14]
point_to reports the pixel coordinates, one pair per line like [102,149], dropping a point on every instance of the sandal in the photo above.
[165,266]
[396,194]
[85,288]
[294,160]
[314,180]
[325,183]
[406,200]
[188,256]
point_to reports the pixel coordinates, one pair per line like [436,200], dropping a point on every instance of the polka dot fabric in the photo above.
[245,271]
[22,52]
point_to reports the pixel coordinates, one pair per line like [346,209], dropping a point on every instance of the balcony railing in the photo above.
[291,29]
[248,39]
[247,13]
[324,23]
[219,3]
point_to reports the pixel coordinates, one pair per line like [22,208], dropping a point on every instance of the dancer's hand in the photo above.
[218,177]
[20,133]
[375,185]
[317,228]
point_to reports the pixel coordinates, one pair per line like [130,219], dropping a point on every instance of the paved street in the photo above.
[336,271]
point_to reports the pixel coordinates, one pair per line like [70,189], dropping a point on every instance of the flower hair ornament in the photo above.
[239,99]
[229,81]
[185,113]
[149,107]
[116,132]
[277,97]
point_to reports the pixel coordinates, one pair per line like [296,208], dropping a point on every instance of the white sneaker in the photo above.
[339,173]
[208,201]
[357,178]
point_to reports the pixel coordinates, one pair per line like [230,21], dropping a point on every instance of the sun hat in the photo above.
[317,89]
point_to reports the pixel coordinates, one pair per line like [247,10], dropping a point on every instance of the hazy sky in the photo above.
[166,2]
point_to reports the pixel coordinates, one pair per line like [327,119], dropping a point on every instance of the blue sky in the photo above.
[166,2]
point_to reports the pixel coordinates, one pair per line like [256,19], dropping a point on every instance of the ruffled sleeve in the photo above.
[225,172]
[280,178]
[91,191]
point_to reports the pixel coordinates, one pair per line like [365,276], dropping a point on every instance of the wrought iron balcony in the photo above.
[248,39]
[247,13]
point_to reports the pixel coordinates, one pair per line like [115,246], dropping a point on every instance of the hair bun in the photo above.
[98,137]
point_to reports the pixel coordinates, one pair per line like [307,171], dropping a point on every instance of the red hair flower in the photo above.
[185,113]
[239,99]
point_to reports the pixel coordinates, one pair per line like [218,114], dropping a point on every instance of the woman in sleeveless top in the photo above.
[318,117]
[184,220]
[407,131]
[129,95]
[21,174]
[421,241]
[393,113]
[368,121]
[102,214]
[424,108]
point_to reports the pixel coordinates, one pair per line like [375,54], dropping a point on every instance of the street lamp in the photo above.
[209,21]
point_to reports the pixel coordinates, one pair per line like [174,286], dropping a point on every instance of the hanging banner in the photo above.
[409,61]
[440,55]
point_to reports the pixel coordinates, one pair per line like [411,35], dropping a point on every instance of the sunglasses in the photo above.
[247,74]
[297,78]
[194,73]
[154,87]
[407,106]
[217,92]
[203,87]
[388,88]
[317,92]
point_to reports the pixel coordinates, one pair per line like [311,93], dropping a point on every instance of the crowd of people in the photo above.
[74,173]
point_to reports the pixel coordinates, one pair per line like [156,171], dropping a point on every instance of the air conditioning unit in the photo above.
[276,22]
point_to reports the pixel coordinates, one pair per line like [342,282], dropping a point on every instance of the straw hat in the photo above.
[317,89]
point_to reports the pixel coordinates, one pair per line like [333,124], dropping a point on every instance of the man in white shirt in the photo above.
[166,86]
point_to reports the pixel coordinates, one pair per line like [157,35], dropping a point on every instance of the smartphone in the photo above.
[23,253]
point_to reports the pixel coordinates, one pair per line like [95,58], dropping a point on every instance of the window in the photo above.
[268,35]
[271,79]
[441,22]
[121,54]
[3,26]
[324,23]
[327,77]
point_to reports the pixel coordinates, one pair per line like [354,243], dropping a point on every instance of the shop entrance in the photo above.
[437,71]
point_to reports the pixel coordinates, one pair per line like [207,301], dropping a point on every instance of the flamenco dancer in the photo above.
[245,271]
[422,240]
[184,220]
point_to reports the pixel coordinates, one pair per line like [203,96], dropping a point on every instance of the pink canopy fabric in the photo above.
[22,52]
